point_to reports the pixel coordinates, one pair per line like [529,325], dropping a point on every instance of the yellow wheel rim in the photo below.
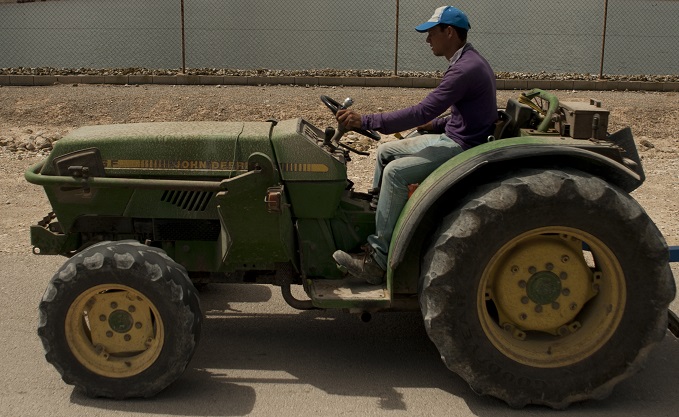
[114,331]
[545,302]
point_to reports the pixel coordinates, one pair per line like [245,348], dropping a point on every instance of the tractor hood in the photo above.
[163,149]
[134,161]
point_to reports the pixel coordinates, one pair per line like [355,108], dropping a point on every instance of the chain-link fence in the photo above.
[585,36]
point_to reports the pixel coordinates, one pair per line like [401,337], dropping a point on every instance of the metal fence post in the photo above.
[183,42]
[396,40]
[603,41]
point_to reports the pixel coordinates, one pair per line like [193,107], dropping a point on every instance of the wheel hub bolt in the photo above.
[555,305]
[566,292]
[532,269]
[522,284]
[109,333]
[524,300]
[114,305]
[102,317]
[523,316]
[549,266]
[538,308]
[127,337]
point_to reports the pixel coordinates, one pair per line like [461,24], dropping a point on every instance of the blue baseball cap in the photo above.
[447,15]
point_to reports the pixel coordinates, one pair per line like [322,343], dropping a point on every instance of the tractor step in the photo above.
[348,293]
[674,253]
[673,323]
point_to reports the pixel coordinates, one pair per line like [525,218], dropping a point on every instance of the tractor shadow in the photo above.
[252,346]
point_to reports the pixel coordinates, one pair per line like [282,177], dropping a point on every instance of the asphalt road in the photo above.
[259,357]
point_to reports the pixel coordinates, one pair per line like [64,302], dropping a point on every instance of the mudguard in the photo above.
[600,158]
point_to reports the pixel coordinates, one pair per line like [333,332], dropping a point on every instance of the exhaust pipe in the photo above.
[294,302]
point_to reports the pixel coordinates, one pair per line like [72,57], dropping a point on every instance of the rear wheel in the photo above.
[119,320]
[547,287]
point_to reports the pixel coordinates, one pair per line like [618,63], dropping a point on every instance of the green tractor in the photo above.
[540,280]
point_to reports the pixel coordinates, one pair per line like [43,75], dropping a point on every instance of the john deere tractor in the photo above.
[539,279]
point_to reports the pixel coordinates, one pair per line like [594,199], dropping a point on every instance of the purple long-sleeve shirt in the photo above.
[467,88]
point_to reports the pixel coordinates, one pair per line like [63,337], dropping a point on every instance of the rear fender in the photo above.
[438,194]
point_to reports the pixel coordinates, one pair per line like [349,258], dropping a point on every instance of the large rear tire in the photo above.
[547,287]
[119,320]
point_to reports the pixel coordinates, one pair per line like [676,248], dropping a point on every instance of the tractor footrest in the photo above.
[348,293]
[674,253]
[673,323]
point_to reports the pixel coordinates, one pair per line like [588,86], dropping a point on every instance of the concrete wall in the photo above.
[406,82]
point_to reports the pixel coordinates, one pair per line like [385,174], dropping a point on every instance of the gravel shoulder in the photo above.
[31,118]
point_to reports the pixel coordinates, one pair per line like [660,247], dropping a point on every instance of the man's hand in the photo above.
[349,119]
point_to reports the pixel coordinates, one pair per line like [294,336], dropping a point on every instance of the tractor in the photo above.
[539,278]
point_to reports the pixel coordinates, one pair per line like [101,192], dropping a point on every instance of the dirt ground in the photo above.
[31,118]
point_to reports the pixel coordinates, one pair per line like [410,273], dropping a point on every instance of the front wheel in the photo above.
[546,287]
[119,320]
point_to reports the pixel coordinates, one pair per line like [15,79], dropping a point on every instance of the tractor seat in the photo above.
[503,120]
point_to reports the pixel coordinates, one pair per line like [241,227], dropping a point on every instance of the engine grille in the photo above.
[188,200]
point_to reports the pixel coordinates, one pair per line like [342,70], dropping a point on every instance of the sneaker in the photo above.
[360,265]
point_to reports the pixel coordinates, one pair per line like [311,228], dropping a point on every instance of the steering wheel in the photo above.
[335,107]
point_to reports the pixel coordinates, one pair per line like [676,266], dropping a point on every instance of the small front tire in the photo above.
[120,320]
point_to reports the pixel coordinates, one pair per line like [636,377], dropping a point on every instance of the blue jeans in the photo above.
[400,163]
